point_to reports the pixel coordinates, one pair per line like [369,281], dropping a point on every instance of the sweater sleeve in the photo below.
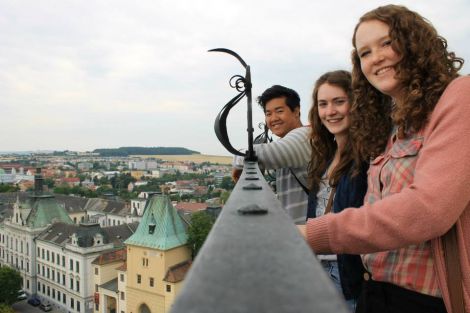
[425,209]
[293,150]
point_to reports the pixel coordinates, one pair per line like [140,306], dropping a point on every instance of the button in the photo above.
[367,276]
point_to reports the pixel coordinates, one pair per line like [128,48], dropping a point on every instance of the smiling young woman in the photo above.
[409,119]
[333,185]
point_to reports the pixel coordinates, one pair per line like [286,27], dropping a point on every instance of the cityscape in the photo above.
[89,233]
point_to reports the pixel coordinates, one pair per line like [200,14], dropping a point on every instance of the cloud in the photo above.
[115,73]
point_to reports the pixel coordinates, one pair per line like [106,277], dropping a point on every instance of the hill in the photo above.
[126,151]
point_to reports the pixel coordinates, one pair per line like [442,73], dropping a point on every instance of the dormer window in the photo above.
[152,224]
[74,239]
[98,239]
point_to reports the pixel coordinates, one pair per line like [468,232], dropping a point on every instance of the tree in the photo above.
[201,224]
[227,183]
[6,308]
[10,280]
[8,188]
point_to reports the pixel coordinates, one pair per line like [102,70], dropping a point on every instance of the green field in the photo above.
[196,158]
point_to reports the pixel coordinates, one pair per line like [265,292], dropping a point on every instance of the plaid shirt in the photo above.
[411,267]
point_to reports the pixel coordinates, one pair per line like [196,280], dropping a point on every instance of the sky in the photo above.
[81,75]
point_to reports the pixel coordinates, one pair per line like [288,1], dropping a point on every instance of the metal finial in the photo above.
[243,85]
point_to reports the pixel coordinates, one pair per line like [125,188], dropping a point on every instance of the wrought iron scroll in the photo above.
[243,85]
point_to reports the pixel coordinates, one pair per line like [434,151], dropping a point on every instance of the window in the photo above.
[122,296]
[121,277]
[168,288]
[48,272]
[53,257]
[145,262]
[58,295]
[63,279]
[53,275]
[71,283]
[139,278]
[64,298]
[48,291]
[77,284]
[71,265]
[27,284]
[78,306]
[47,254]
[72,303]
[39,286]
[96,287]
[151,281]
[77,268]
[63,261]
[53,293]
[96,271]
[43,288]
[42,254]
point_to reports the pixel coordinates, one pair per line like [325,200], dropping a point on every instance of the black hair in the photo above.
[278,91]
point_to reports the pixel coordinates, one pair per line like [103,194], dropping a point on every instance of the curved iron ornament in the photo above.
[243,85]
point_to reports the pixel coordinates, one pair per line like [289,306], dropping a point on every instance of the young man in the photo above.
[290,154]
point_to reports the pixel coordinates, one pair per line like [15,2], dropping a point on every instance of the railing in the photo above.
[254,259]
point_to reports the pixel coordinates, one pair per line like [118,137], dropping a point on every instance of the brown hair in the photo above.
[322,141]
[424,71]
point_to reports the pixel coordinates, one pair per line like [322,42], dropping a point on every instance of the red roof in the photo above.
[176,273]
[71,180]
[191,206]
[110,257]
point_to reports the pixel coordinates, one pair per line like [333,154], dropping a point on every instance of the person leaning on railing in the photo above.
[333,183]
[410,116]
[289,155]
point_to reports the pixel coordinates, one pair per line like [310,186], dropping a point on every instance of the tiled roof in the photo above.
[110,257]
[107,206]
[177,272]
[168,230]
[119,233]
[191,206]
[58,233]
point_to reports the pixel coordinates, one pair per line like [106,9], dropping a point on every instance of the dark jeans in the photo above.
[379,297]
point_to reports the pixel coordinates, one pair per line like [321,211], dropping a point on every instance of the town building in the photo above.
[157,259]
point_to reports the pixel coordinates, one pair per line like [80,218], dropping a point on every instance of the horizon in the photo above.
[139,74]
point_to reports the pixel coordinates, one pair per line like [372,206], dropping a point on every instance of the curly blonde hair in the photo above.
[322,141]
[424,71]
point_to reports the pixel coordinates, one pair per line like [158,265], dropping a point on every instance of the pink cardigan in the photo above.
[438,198]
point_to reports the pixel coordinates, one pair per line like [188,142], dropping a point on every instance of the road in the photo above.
[24,307]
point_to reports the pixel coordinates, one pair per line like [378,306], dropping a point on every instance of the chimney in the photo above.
[38,182]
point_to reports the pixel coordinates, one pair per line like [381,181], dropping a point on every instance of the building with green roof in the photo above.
[157,258]
[161,227]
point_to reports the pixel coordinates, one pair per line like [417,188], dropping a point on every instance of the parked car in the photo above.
[34,301]
[46,307]
[21,295]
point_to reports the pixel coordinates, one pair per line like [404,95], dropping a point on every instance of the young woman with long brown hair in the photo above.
[333,185]
[410,117]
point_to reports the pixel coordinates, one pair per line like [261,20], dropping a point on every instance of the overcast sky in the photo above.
[81,75]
